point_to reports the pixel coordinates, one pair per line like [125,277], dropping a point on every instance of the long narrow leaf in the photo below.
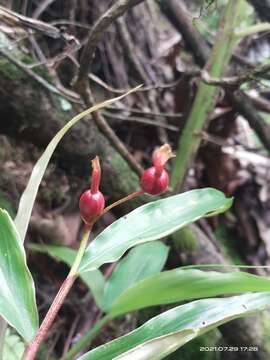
[29,195]
[142,261]
[180,285]
[150,222]
[172,329]
[17,294]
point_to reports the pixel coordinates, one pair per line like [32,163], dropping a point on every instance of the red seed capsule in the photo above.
[155,180]
[154,184]
[92,201]
[91,205]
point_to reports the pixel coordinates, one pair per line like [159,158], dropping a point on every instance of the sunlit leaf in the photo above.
[17,294]
[142,261]
[167,332]
[150,222]
[180,285]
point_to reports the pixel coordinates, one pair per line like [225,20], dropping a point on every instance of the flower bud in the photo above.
[92,200]
[155,180]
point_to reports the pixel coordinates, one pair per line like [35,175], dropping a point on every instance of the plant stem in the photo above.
[121,201]
[251,30]
[205,99]
[86,339]
[33,347]
[83,244]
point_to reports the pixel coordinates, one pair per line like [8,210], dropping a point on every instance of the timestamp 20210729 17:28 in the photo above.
[229,348]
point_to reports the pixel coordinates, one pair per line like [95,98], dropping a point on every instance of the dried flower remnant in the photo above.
[155,180]
[92,200]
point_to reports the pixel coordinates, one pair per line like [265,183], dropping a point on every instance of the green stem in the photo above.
[254,29]
[205,99]
[78,259]
[33,347]
[86,339]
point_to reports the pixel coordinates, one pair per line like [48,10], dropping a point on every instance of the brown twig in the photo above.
[71,332]
[96,34]
[242,103]
[139,120]
[134,59]
[41,8]
[144,89]
[259,101]
[145,113]
[121,201]
[236,81]
[16,19]
[82,83]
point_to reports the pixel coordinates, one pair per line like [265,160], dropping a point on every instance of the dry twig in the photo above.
[82,82]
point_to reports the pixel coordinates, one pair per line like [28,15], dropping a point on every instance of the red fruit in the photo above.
[91,205]
[92,201]
[154,182]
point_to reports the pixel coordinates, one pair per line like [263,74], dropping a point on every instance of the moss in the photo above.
[227,239]
[10,70]
[129,181]
[185,239]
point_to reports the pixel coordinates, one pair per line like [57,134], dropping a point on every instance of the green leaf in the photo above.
[142,261]
[29,195]
[150,222]
[167,332]
[94,279]
[13,346]
[17,294]
[180,285]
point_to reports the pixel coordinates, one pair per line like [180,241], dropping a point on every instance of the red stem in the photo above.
[121,201]
[33,347]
